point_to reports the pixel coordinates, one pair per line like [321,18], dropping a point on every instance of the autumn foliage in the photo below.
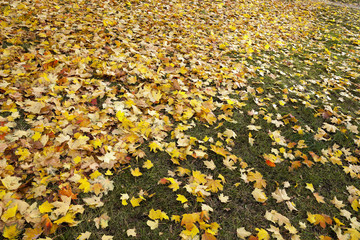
[86,84]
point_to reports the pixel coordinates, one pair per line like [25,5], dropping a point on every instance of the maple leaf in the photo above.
[262,234]
[207,208]
[276,217]
[189,219]
[320,219]
[107,237]
[136,172]
[181,198]
[135,202]
[108,157]
[310,187]
[174,184]
[11,232]
[9,213]
[154,146]
[223,198]
[69,218]
[242,233]
[102,221]
[11,182]
[131,232]
[208,236]
[354,234]
[158,214]
[45,207]
[258,178]
[280,195]
[123,198]
[229,133]
[210,164]
[84,236]
[291,206]
[32,233]
[148,164]
[259,195]
[153,224]
[94,201]
[345,213]
[253,127]
[319,199]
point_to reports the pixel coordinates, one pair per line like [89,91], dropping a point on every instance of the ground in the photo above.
[179,120]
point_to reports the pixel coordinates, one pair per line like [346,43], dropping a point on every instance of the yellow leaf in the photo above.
[262,234]
[77,159]
[154,146]
[158,214]
[120,116]
[311,218]
[175,218]
[320,219]
[96,143]
[36,136]
[32,233]
[182,171]
[355,204]
[84,185]
[95,174]
[108,173]
[135,202]
[199,177]
[45,207]
[354,234]
[136,172]
[181,198]
[337,221]
[148,164]
[310,187]
[9,213]
[11,232]
[174,184]
[222,46]
[68,218]
[123,198]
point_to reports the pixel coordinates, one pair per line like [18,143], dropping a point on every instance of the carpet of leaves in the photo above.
[84,85]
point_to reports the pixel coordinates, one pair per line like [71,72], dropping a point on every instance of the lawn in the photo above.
[179,120]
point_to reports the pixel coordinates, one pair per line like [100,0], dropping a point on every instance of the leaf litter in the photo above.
[85,85]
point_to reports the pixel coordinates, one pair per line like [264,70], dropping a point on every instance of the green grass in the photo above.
[302,67]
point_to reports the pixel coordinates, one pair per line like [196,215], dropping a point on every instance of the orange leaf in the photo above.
[67,192]
[270,163]
[253,238]
[163,181]
[47,225]
[294,165]
[208,236]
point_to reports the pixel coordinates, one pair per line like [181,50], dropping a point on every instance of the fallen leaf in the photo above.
[131,232]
